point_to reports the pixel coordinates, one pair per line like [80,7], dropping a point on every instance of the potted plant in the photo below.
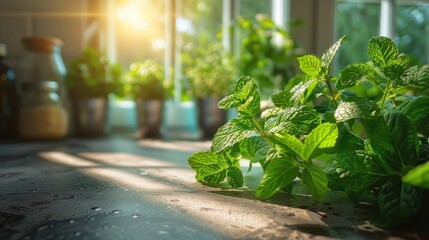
[210,76]
[144,82]
[91,77]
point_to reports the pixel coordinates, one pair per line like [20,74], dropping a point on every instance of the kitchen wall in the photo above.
[76,22]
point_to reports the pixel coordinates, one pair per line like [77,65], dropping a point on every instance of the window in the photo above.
[361,20]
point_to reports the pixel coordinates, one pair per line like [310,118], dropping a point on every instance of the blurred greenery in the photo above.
[145,80]
[267,53]
[210,71]
[91,74]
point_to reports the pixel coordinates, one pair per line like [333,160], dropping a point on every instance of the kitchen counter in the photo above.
[121,188]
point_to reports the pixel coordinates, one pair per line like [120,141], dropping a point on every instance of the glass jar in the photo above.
[42,61]
[42,115]
[9,99]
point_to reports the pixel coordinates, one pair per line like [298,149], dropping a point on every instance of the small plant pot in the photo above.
[149,118]
[210,117]
[90,117]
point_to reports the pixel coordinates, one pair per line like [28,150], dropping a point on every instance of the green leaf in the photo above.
[382,50]
[416,76]
[417,109]
[329,54]
[234,177]
[394,72]
[354,171]
[254,148]
[281,99]
[279,174]
[353,74]
[231,133]
[303,91]
[229,102]
[245,97]
[321,138]
[398,201]
[355,107]
[310,65]
[315,181]
[290,142]
[394,140]
[210,167]
[418,176]
[297,120]
[347,141]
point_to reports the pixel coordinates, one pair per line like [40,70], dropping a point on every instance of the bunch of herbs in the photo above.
[375,150]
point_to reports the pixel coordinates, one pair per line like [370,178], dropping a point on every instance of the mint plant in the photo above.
[374,150]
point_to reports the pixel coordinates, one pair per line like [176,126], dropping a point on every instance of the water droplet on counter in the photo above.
[44,227]
[116,211]
[135,215]
[162,232]
[71,221]
[96,208]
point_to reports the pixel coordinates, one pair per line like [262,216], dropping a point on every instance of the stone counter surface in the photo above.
[121,188]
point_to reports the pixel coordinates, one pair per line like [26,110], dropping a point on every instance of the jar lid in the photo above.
[3,50]
[44,44]
[44,85]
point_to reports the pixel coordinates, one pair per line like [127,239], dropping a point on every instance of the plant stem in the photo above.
[331,91]
[261,130]
[385,93]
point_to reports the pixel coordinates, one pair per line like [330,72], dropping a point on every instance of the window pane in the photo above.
[412,21]
[360,21]
[250,8]
[139,33]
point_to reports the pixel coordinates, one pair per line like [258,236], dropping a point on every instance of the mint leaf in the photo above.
[355,107]
[416,76]
[354,171]
[394,140]
[353,74]
[394,72]
[279,174]
[398,201]
[245,97]
[417,109]
[290,142]
[347,141]
[321,138]
[418,176]
[234,177]
[329,54]
[210,167]
[310,65]
[304,91]
[229,102]
[382,51]
[315,181]
[404,136]
[297,120]
[231,133]
[254,148]
[281,99]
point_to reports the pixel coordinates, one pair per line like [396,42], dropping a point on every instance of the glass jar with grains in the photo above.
[42,115]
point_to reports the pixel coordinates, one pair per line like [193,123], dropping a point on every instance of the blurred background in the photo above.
[158,65]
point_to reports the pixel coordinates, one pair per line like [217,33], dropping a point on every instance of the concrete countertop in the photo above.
[121,188]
